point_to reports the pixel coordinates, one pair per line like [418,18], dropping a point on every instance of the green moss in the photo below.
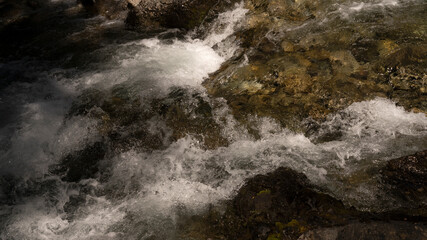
[297,225]
[265,191]
[293,223]
[280,226]
[274,236]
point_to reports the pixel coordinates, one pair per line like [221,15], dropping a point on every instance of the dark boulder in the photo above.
[407,178]
[282,203]
[285,205]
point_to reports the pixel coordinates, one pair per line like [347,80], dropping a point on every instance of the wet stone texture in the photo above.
[407,177]
[186,14]
[284,205]
[291,67]
[282,202]
[111,9]
[128,121]
[370,231]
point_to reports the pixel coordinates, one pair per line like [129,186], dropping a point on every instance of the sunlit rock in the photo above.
[310,69]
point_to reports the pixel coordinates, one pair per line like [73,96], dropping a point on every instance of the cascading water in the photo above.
[140,187]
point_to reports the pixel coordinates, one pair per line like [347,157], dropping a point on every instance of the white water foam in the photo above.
[43,135]
[348,9]
[186,176]
[157,66]
[146,190]
[223,28]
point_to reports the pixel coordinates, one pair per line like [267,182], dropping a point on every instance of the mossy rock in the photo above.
[285,205]
[312,71]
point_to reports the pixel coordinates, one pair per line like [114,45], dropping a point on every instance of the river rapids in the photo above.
[148,166]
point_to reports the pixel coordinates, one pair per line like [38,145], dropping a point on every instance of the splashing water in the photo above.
[143,192]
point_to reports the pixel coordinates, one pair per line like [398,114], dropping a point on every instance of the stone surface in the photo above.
[125,121]
[112,9]
[185,14]
[407,177]
[291,69]
[13,11]
[370,231]
[284,205]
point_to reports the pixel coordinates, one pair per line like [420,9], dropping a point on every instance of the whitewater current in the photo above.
[147,189]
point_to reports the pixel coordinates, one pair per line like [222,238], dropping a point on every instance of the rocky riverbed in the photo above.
[188,119]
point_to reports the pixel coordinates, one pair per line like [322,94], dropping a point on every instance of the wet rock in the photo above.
[370,231]
[282,203]
[288,46]
[186,14]
[288,10]
[292,69]
[190,114]
[13,11]
[294,86]
[285,205]
[81,164]
[112,9]
[407,177]
[128,122]
[122,119]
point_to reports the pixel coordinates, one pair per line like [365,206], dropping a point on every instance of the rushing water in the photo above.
[142,187]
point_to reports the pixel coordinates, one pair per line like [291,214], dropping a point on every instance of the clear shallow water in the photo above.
[143,191]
